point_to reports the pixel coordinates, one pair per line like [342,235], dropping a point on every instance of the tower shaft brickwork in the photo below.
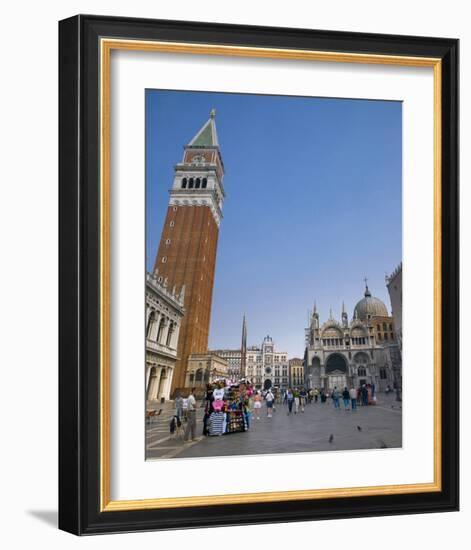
[190,262]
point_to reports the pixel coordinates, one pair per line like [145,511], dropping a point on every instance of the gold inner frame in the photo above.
[106,46]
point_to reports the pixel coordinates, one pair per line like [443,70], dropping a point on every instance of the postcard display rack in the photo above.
[235,418]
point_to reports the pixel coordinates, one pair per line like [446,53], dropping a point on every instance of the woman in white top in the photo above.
[257,405]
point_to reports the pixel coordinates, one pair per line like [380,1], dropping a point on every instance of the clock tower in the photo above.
[188,244]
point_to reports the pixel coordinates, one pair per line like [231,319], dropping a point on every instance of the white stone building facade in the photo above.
[205,368]
[266,367]
[233,357]
[164,313]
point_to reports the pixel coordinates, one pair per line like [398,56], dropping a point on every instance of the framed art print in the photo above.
[258,274]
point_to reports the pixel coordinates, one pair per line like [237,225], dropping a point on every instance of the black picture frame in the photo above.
[79,284]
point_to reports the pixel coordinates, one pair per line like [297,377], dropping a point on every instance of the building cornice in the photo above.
[197,197]
[165,294]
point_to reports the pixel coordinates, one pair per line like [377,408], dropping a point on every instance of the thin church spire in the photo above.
[243,348]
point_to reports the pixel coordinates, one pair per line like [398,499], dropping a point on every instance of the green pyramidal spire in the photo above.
[207,135]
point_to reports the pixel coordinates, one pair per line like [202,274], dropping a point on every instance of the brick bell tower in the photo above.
[188,245]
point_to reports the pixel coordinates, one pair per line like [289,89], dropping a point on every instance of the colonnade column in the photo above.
[155,327]
[154,384]
[167,383]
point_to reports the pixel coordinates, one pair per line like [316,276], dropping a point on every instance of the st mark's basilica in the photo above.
[352,352]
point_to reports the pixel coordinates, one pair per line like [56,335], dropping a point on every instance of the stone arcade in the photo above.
[164,313]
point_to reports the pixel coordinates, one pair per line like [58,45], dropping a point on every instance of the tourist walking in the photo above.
[248,411]
[269,398]
[257,405]
[208,407]
[179,406]
[346,398]
[185,409]
[323,396]
[190,430]
[296,400]
[290,400]
[353,398]
[364,395]
[302,399]
[316,395]
[335,397]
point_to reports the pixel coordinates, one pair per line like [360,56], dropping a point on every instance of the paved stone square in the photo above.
[320,428]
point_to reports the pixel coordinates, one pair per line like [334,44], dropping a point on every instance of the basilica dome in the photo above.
[369,306]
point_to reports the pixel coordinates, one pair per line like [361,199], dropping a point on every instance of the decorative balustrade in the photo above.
[160,348]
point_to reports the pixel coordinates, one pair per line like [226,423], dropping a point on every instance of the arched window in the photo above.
[161,329]
[383,374]
[184,182]
[361,371]
[192,182]
[198,183]
[171,330]
[205,183]
[199,375]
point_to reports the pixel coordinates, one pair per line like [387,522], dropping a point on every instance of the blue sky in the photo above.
[313,204]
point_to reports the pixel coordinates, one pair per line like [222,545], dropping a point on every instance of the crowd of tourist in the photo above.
[233,408]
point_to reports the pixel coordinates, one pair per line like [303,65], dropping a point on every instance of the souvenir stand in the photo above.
[235,416]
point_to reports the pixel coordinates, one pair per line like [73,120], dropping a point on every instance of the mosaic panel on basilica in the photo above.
[274,275]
